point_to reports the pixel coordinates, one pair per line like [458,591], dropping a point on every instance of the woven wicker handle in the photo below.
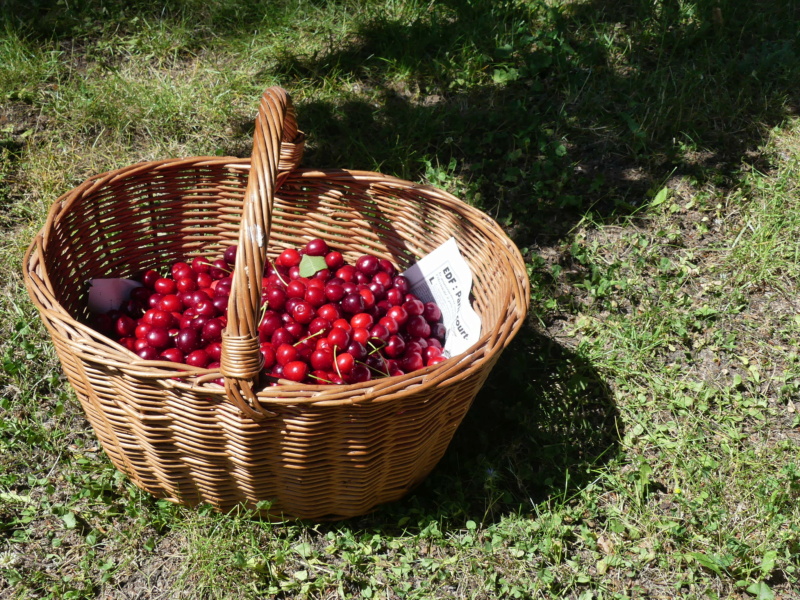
[277,149]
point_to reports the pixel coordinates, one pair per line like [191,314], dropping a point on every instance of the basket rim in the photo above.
[194,379]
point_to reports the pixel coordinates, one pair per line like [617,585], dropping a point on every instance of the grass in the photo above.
[639,439]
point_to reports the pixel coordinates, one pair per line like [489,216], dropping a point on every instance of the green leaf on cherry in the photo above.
[309,265]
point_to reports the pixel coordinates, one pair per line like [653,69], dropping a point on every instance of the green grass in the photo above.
[639,439]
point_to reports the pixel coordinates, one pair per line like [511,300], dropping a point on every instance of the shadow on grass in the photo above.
[594,106]
[539,430]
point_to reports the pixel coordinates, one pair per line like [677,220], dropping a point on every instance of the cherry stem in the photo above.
[275,269]
[308,337]
[375,369]
[321,378]
[374,347]
[336,364]
[213,266]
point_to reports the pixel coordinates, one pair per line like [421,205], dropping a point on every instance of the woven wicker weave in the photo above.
[309,451]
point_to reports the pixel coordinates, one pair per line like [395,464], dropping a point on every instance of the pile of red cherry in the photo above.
[338,323]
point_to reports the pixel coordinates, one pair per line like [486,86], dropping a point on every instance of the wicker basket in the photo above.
[316,452]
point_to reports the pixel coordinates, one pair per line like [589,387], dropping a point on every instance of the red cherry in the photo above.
[324,344]
[430,352]
[432,313]
[353,303]
[220,303]
[165,286]
[276,297]
[334,260]
[214,350]
[179,269]
[206,308]
[172,354]
[343,324]
[361,335]
[297,330]
[296,289]
[412,362]
[147,353]
[317,247]
[125,326]
[383,278]
[418,327]
[388,268]
[357,350]
[399,314]
[128,342]
[360,373]
[322,359]
[401,283]
[378,290]
[368,264]
[329,311]
[345,363]
[219,269]
[322,275]
[391,325]
[305,348]
[223,287]
[439,331]
[150,277]
[395,346]
[334,291]
[212,331]
[288,258]
[141,294]
[395,297]
[281,336]
[346,273]
[204,281]
[170,303]
[158,318]
[434,342]
[270,322]
[319,326]
[229,256]
[200,264]
[379,332]
[268,353]
[295,371]
[303,312]
[339,338]
[362,320]
[285,353]
[159,338]
[187,340]
[198,322]
[142,330]
[315,296]
[413,306]
[186,284]
[198,358]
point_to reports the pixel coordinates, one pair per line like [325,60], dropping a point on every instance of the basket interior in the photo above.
[142,218]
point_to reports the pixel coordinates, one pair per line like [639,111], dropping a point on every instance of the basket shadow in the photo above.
[539,430]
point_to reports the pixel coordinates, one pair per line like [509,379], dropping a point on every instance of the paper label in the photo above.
[444,277]
[109,294]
